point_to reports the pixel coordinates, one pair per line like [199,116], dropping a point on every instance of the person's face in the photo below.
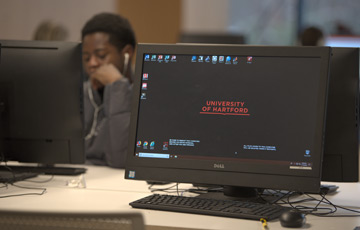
[97,51]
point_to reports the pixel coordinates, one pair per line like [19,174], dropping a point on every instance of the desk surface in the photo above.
[105,189]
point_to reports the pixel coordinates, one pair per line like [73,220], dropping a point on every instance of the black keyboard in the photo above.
[225,208]
[49,170]
[12,177]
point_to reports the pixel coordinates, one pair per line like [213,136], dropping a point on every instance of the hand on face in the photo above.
[104,75]
[103,62]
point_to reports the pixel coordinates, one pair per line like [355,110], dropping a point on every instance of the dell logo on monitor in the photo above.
[219,166]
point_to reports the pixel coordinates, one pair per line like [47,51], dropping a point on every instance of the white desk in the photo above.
[107,190]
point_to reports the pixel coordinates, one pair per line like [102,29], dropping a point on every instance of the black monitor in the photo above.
[341,152]
[41,102]
[238,116]
[212,38]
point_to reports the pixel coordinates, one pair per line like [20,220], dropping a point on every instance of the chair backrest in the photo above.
[16,220]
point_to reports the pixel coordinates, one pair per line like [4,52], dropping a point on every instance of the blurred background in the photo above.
[270,22]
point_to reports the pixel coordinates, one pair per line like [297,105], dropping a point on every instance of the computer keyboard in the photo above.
[225,208]
[50,170]
[11,176]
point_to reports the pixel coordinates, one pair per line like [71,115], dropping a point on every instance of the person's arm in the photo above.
[116,102]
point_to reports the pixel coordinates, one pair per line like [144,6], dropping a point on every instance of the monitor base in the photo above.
[245,194]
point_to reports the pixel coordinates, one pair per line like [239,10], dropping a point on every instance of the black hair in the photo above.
[311,36]
[119,29]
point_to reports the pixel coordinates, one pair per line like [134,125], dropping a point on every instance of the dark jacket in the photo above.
[106,144]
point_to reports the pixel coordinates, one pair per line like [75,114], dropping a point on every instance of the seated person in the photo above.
[312,36]
[108,44]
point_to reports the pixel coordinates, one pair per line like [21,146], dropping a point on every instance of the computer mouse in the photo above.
[292,219]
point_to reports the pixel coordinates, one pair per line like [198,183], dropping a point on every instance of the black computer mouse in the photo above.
[292,219]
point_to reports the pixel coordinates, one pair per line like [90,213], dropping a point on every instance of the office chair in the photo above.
[18,220]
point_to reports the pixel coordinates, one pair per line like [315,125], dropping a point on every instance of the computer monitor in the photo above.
[237,116]
[342,41]
[41,98]
[341,152]
[212,38]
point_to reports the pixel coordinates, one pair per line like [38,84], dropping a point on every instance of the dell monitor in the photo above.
[341,151]
[237,116]
[41,102]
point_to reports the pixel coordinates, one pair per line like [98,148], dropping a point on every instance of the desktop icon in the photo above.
[235,60]
[165,145]
[167,58]
[221,59]
[152,145]
[153,57]
[207,59]
[173,58]
[201,59]
[193,59]
[143,96]
[249,59]
[138,144]
[145,76]
[145,145]
[160,58]
[144,86]
[214,59]
[228,60]
[147,57]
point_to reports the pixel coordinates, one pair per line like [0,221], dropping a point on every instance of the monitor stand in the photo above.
[257,195]
[45,169]
[244,194]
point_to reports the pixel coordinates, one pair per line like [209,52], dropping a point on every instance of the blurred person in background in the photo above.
[312,36]
[108,44]
[50,31]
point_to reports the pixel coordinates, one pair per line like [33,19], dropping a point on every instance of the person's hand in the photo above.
[104,75]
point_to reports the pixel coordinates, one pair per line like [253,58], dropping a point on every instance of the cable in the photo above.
[43,190]
[320,211]
[274,193]
[172,189]
[264,224]
[339,207]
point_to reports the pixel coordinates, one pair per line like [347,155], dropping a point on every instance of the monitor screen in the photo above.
[341,152]
[41,102]
[249,116]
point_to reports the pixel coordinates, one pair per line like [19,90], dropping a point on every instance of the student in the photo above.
[50,31]
[312,36]
[108,44]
